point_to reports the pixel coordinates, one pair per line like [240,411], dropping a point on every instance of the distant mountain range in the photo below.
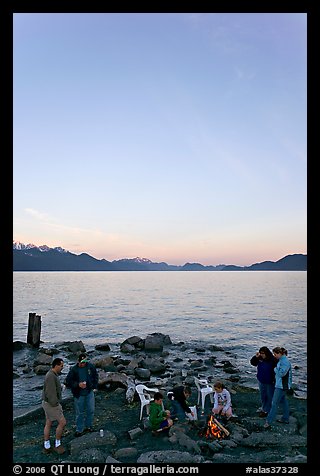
[42,258]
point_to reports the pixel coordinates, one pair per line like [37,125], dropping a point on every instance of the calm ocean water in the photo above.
[239,311]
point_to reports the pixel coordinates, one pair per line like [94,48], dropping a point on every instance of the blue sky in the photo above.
[171,136]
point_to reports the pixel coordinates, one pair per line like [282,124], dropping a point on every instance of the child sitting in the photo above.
[222,401]
[159,419]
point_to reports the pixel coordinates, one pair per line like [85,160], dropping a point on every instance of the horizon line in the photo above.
[158,262]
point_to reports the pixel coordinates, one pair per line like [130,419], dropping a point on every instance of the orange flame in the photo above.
[212,430]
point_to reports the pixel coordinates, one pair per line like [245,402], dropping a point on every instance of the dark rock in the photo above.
[142,373]
[169,456]
[154,365]
[135,433]
[92,440]
[153,343]
[19,345]
[75,347]
[41,369]
[91,455]
[127,348]
[126,453]
[103,347]
[215,348]
[43,359]
[49,351]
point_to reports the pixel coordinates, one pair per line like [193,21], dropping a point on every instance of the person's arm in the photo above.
[254,360]
[71,381]
[283,367]
[95,377]
[186,409]
[184,405]
[51,391]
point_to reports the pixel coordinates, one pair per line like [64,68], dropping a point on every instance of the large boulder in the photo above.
[92,440]
[156,341]
[169,456]
[154,365]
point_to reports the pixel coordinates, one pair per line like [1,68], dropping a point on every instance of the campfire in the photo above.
[214,429]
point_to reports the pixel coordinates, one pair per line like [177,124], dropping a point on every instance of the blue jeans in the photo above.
[266,394]
[84,408]
[279,398]
[177,411]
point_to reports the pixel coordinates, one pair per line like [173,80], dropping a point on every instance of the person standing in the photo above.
[265,363]
[51,404]
[283,375]
[82,379]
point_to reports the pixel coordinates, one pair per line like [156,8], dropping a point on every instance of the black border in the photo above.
[8,8]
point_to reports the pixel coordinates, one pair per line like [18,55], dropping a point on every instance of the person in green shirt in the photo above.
[159,418]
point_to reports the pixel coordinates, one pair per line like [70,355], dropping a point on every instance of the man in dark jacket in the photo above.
[82,379]
[179,405]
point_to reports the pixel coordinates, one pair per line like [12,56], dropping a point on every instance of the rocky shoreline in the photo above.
[158,363]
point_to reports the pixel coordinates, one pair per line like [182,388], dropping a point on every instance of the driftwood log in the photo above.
[115,377]
[222,428]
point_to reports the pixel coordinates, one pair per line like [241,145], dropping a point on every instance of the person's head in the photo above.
[82,360]
[265,353]
[57,364]
[218,387]
[158,397]
[279,352]
[187,391]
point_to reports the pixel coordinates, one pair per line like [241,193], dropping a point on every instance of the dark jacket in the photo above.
[265,369]
[180,397]
[72,380]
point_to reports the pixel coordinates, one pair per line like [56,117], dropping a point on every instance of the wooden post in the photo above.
[34,329]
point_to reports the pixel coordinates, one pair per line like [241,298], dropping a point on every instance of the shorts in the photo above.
[52,413]
[164,424]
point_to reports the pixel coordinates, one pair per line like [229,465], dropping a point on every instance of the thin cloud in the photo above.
[44,217]
[36,214]
[91,234]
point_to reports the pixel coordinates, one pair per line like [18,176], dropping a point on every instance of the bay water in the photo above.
[237,310]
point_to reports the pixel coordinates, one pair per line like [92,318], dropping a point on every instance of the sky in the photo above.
[177,137]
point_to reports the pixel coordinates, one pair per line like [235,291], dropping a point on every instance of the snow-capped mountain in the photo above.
[17,245]
[43,258]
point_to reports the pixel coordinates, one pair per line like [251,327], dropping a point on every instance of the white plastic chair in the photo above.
[204,389]
[145,397]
